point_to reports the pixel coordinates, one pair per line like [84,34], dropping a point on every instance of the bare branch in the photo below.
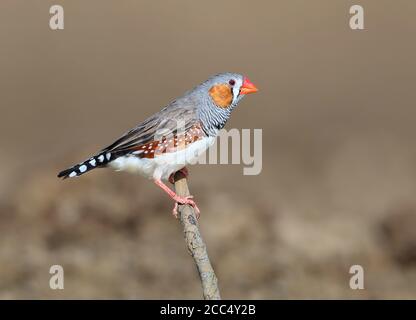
[195,243]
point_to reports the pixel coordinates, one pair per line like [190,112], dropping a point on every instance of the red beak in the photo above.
[248,87]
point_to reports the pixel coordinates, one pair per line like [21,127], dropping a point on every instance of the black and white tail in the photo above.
[100,160]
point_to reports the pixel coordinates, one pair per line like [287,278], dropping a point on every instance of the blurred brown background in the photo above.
[339,174]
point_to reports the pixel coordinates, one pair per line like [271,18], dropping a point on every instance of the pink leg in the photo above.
[184,171]
[178,199]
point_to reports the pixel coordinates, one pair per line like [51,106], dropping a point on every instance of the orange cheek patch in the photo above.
[221,95]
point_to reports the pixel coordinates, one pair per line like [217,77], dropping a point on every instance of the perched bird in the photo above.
[175,136]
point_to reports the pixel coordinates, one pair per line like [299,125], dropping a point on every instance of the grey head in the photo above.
[217,97]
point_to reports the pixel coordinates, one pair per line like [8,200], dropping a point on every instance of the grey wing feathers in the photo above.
[179,115]
[175,117]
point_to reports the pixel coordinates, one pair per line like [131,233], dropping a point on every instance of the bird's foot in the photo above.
[185,200]
[184,171]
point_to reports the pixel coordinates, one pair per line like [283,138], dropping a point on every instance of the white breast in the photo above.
[163,165]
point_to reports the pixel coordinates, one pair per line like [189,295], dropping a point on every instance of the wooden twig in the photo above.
[195,243]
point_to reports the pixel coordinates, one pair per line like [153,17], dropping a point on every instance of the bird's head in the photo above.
[217,97]
[227,89]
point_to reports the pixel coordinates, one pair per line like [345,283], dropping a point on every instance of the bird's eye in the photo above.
[231,82]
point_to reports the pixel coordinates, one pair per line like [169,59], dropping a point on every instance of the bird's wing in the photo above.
[176,117]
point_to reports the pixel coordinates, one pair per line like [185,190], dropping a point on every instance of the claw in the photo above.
[178,199]
[185,200]
[175,211]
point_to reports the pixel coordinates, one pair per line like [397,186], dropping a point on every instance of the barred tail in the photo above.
[100,160]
